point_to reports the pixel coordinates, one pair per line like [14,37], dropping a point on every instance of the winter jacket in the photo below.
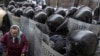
[14,48]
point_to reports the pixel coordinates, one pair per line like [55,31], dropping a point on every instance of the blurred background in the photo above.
[62,3]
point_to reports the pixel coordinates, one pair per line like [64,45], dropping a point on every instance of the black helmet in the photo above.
[96,13]
[63,29]
[19,4]
[83,14]
[12,2]
[10,7]
[44,5]
[26,8]
[37,9]
[40,17]
[32,5]
[13,10]
[82,43]
[29,13]
[26,4]
[23,7]
[18,12]
[61,12]
[72,10]
[54,21]
[49,10]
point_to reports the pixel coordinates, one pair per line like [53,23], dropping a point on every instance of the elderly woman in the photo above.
[15,42]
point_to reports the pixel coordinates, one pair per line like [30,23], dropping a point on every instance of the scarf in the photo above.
[18,36]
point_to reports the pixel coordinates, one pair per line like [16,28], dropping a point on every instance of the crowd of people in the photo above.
[49,20]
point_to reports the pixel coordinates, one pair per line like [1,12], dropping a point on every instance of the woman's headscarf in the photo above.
[19,34]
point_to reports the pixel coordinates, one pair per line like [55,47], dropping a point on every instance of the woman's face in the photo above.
[14,32]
